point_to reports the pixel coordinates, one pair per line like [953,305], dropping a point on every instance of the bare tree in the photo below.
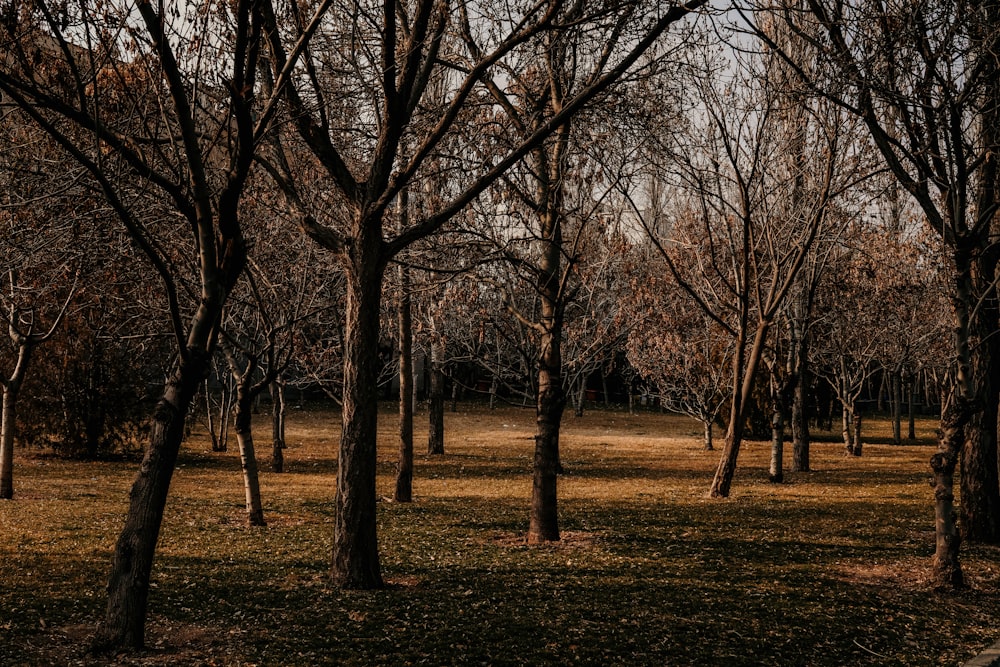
[923,79]
[739,225]
[111,86]
[366,87]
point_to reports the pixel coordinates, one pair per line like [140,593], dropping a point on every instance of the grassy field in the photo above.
[830,568]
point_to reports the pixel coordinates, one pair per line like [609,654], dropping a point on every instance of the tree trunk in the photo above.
[544,524]
[800,413]
[897,408]
[947,568]
[435,431]
[277,426]
[404,467]
[580,395]
[775,474]
[847,432]
[248,457]
[551,400]
[209,411]
[911,430]
[856,419]
[737,418]
[355,562]
[8,417]
[980,485]
[128,583]
[708,436]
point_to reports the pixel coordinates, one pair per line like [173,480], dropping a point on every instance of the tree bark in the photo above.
[404,466]
[435,432]
[856,418]
[708,436]
[775,473]
[131,565]
[355,562]
[897,408]
[947,568]
[544,521]
[8,419]
[980,484]
[800,411]
[277,426]
[737,418]
[911,431]
[847,432]
[248,457]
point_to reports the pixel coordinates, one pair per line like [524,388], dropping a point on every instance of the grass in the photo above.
[830,568]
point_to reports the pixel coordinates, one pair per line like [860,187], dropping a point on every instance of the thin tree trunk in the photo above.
[277,426]
[435,431]
[8,418]
[737,420]
[355,562]
[800,413]
[209,411]
[709,446]
[911,430]
[404,466]
[847,432]
[775,473]
[897,408]
[857,420]
[581,394]
[248,458]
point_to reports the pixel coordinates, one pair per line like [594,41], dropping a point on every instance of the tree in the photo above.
[365,90]
[678,349]
[733,237]
[923,79]
[143,106]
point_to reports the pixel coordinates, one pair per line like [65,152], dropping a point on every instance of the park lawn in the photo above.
[830,568]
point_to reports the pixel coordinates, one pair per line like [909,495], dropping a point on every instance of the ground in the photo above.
[830,568]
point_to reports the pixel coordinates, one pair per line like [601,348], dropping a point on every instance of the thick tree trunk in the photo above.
[248,457]
[743,379]
[355,562]
[131,565]
[544,524]
[551,398]
[980,485]
[404,466]
[277,426]
[947,568]
[435,431]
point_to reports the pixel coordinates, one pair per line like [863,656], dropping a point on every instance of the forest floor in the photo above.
[831,567]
